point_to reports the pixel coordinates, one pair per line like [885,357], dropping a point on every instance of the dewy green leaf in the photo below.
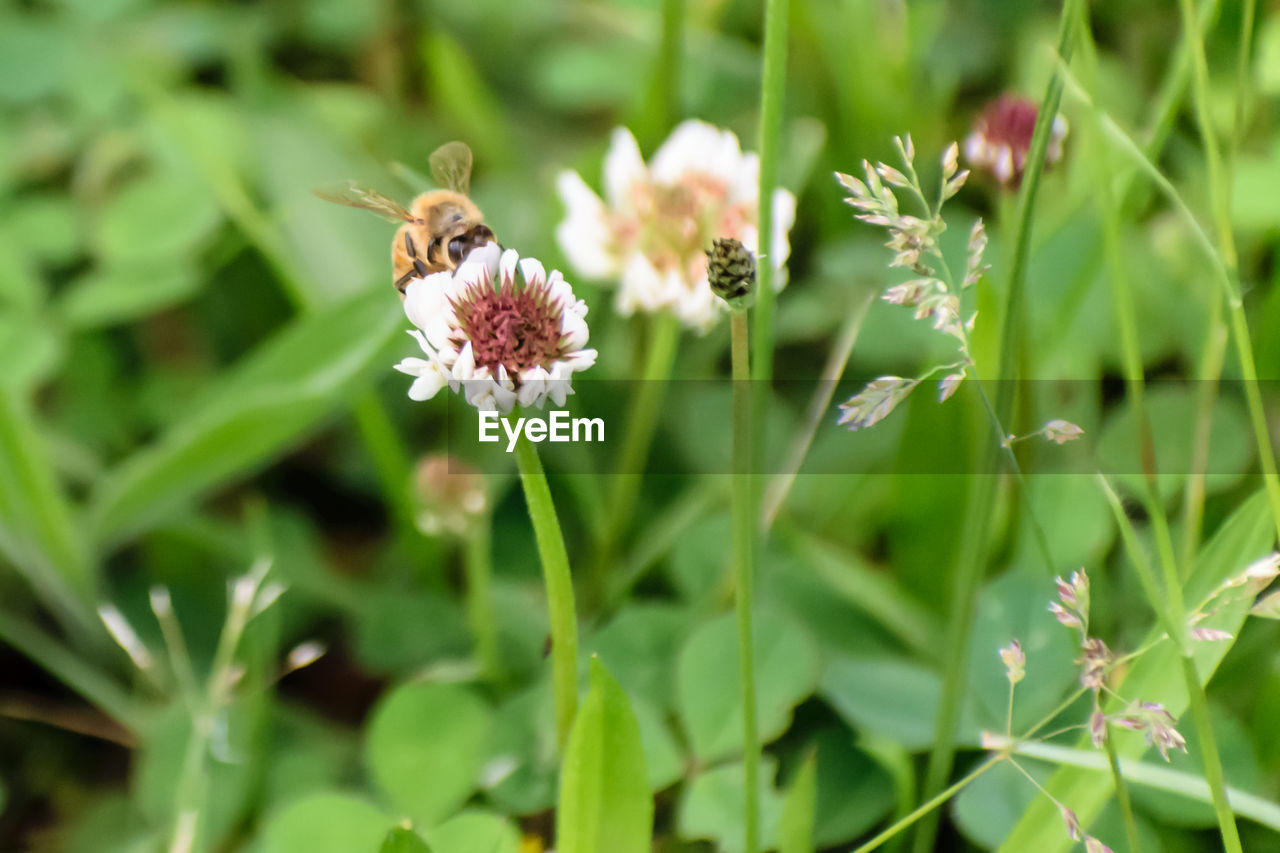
[605,804]
[265,404]
[401,840]
[1156,676]
[424,748]
[799,807]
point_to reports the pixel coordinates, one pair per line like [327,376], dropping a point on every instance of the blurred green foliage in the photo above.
[195,361]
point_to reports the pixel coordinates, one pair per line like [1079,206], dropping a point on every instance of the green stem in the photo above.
[1173,618]
[1209,756]
[781,484]
[1220,195]
[642,423]
[928,807]
[744,540]
[973,554]
[772,94]
[559,586]
[478,559]
[1122,798]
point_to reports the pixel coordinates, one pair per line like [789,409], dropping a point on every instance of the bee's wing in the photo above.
[451,166]
[353,195]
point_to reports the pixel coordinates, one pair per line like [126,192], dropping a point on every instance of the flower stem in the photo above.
[772,94]
[642,422]
[780,485]
[974,549]
[1122,798]
[927,808]
[478,560]
[559,585]
[744,541]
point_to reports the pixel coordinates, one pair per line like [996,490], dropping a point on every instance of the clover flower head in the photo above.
[451,495]
[1001,138]
[499,330]
[652,227]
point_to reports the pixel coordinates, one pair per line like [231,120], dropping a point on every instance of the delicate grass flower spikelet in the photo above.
[499,330]
[1015,661]
[656,220]
[1001,139]
[731,273]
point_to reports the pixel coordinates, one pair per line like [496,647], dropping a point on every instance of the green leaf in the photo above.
[424,746]
[401,840]
[39,532]
[713,808]
[475,832]
[123,293]
[605,803]
[522,753]
[639,645]
[166,213]
[1013,607]
[707,681]
[894,698]
[1156,676]
[325,823]
[263,406]
[799,810]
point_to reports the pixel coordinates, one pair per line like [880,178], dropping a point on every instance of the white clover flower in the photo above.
[498,329]
[657,220]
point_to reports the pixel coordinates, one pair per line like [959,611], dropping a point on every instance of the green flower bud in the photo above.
[731,271]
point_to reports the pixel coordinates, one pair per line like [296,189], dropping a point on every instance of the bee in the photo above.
[438,229]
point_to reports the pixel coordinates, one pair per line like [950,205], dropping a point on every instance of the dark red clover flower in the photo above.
[1001,138]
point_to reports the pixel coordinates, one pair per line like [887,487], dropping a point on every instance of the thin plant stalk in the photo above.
[559,586]
[778,489]
[744,540]
[642,422]
[772,95]
[973,555]
[1126,316]
[1122,798]
[478,565]
[1220,203]
[1170,610]
[927,808]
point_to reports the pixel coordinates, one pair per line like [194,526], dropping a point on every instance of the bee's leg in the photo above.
[408,245]
[403,280]
[420,268]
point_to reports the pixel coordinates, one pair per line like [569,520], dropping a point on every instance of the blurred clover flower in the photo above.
[1001,138]
[451,495]
[657,220]
[499,329]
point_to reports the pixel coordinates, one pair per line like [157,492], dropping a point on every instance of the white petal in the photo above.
[533,271]
[424,298]
[623,168]
[574,329]
[694,146]
[507,266]
[426,386]
[642,287]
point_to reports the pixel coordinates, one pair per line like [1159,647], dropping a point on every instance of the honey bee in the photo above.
[438,229]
